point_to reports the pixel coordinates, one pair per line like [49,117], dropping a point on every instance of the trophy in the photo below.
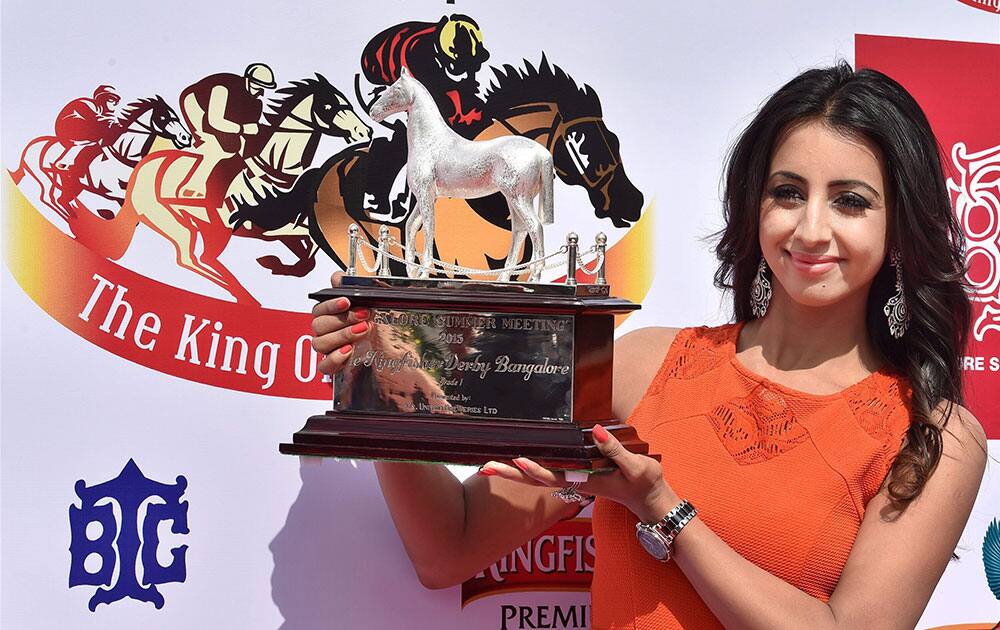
[463,371]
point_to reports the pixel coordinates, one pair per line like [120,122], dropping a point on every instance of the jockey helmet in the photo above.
[461,27]
[106,98]
[106,91]
[260,74]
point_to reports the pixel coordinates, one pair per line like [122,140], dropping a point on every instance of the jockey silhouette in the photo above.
[84,123]
[444,56]
[222,110]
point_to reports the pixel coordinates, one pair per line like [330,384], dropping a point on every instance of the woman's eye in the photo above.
[853,201]
[784,193]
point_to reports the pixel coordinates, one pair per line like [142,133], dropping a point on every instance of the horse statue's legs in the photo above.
[414,222]
[518,234]
[410,249]
[534,226]
[427,260]
[524,223]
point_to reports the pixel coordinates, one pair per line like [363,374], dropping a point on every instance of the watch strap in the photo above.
[670,526]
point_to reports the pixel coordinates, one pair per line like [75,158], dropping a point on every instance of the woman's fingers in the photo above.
[342,335]
[539,473]
[492,468]
[528,471]
[336,328]
[334,362]
[609,446]
[331,307]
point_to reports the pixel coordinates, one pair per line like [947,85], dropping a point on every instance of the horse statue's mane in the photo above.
[137,108]
[514,87]
[287,98]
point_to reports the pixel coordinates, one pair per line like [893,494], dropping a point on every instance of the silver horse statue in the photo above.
[440,163]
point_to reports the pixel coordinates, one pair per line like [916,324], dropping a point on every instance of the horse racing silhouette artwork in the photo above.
[240,155]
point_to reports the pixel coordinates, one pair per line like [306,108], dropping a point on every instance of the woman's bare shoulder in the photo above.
[638,356]
[961,430]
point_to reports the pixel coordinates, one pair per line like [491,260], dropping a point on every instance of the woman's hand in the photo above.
[336,327]
[637,484]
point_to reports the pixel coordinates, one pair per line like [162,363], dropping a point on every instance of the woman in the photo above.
[820,439]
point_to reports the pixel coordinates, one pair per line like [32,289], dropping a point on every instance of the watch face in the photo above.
[652,543]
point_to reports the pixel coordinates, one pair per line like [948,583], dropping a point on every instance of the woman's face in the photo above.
[823,215]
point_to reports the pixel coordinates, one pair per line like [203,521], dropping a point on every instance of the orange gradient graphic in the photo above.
[195,337]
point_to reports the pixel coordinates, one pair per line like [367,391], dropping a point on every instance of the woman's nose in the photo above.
[814,223]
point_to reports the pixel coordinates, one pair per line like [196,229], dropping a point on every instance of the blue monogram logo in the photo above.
[119,539]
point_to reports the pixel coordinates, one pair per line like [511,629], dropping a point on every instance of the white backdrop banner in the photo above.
[155,319]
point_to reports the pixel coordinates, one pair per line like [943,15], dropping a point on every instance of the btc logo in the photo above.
[110,527]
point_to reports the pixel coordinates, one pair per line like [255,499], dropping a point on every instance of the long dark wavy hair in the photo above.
[921,224]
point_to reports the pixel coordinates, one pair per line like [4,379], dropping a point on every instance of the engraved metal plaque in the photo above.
[421,362]
[464,372]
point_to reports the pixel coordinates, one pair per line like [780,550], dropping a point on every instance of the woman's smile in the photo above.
[811,264]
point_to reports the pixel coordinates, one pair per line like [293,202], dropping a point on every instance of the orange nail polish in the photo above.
[359,328]
[342,304]
[346,349]
[488,472]
[360,313]
[600,433]
[521,465]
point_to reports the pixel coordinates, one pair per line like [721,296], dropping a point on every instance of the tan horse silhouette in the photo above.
[200,229]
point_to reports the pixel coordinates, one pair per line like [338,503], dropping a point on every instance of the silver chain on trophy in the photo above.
[573,262]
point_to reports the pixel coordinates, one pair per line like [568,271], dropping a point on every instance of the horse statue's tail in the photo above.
[545,210]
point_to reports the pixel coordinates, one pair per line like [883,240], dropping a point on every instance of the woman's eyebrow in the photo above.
[855,182]
[789,175]
[835,183]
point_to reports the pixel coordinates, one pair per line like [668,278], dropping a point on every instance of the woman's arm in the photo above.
[891,571]
[452,530]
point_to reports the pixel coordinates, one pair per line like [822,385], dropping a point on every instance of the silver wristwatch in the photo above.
[658,538]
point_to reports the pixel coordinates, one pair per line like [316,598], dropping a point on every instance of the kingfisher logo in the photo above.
[115,536]
[561,559]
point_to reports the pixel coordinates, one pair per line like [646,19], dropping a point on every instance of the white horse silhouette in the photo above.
[442,163]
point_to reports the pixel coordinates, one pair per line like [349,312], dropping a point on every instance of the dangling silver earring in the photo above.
[895,309]
[760,290]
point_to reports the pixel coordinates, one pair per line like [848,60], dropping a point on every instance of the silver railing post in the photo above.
[352,250]
[383,245]
[572,244]
[602,241]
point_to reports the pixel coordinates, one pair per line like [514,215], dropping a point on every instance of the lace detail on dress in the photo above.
[880,407]
[757,427]
[694,352]
[873,402]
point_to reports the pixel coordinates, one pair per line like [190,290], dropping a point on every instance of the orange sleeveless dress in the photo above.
[781,476]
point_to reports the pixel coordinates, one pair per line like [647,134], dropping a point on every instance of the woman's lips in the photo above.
[812,265]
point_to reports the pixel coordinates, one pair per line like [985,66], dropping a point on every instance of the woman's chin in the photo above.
[816,295]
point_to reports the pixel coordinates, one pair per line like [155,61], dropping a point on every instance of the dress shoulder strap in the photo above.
[693,352]
[881,407]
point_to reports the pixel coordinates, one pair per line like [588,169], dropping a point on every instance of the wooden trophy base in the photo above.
[456,440]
